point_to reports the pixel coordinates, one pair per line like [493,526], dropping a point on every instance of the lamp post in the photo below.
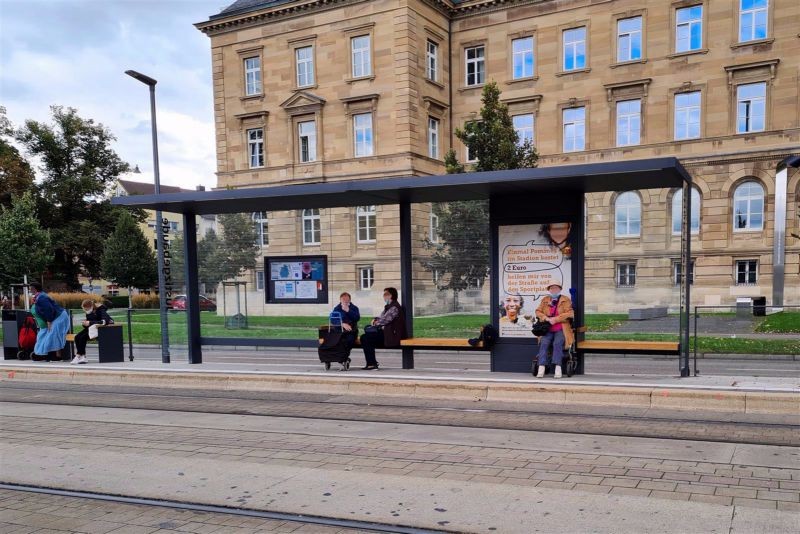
[779,234]
[151,83]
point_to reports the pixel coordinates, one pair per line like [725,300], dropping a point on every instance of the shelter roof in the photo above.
[583,178]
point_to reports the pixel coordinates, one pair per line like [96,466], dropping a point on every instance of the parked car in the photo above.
[206,304]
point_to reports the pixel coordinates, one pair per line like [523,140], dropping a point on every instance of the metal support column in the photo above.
[686,265]
[406,279]
[192,288]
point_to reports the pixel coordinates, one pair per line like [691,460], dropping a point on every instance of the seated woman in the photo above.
[95,315]
[388,329]
[555,309]
[350,318]
[54,325]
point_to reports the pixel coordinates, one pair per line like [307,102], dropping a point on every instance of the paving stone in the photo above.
[657,485]
[583,479]
[787,496]
[592,488]
[789,506]
[620,482]
[617,490]
[712,499]
[696,488]
[748,493]
[754,503]
[555,485]
[672,495]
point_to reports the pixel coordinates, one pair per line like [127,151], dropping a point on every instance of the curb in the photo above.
[737,402]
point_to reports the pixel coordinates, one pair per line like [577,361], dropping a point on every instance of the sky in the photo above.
[75,53]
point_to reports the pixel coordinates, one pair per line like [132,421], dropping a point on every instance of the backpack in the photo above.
[27,335]
[488,335]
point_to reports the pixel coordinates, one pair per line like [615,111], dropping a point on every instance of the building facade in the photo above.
[309,91]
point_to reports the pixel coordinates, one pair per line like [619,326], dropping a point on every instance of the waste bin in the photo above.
[12,324]
[744,307]
[760,306]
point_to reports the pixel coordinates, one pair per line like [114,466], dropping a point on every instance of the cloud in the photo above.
[75,54]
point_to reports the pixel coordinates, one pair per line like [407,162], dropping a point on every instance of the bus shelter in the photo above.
[521,201]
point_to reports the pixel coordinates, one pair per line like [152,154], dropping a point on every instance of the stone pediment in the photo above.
[302,102]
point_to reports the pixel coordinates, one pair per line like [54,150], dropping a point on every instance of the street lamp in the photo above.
[151,83]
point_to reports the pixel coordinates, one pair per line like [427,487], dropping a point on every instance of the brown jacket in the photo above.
[396,330]
[564,312]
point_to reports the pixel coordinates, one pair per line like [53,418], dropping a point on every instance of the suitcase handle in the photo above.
[334,317]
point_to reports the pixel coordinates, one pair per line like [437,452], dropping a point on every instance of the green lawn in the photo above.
[714,344]
[784,322]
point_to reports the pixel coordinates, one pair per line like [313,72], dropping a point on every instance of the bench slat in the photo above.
[608,344]
[439,343]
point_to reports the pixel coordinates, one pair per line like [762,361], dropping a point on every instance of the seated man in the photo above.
[350,317]
[386,331]
[95,316]
[555,309]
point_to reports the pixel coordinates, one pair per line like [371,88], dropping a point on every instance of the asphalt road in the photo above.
[466,362]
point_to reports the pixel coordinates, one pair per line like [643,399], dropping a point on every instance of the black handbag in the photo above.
[372,329]
[540,328]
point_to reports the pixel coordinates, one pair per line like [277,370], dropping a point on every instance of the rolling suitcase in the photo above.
[334,347]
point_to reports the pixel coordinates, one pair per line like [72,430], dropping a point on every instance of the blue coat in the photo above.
[47,308]
[352,317]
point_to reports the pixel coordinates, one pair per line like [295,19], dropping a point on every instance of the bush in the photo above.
[72,301]
[145,302]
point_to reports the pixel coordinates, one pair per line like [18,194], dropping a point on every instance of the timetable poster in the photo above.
[297,279]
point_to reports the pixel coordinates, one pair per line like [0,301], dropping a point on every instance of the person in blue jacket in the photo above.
[350,318]
[52,337]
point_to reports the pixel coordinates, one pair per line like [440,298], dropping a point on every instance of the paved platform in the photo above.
[737,394]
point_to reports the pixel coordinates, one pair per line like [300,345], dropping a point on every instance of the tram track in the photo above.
[356,525]
[330,408]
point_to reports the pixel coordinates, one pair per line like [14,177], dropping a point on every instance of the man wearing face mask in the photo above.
[385,331]
[555,309]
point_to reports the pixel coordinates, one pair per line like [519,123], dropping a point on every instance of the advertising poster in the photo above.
[532,256]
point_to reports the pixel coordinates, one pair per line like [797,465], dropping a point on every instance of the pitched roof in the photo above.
[142,188]
[243,6]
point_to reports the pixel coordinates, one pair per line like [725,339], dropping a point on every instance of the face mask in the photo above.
[387,301]
[555,295]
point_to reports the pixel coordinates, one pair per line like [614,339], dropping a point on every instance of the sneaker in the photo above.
[540,374]
[82,359]
[77,359]
[558,371]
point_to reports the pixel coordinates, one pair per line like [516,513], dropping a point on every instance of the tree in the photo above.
[24,246]
[16,174]
[78,170]
[127,257]
[237,249]
[461,254]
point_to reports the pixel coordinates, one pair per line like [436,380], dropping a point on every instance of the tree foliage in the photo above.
[24,245]
[127,257]
[78,169]
[16,174]
[461,255]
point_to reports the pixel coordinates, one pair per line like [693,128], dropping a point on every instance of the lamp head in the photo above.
[791,161]
[147,80]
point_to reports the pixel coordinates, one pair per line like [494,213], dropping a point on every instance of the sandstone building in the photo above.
[321,90]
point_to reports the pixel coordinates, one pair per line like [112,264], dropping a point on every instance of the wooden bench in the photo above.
[110,345]
[434,343]
[611,346]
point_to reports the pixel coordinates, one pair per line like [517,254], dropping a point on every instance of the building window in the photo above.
[173,226]
[255,146]
[311,227]
[366,277]
[470,156]
[476,69]
[629,122]
[433,137]
[304,58]
[259,280]
[687,115]
[434,230]
[574,129]
[474,283]
[437,277]
[689,29]
[748,207]
[626,274]
[522,51]
[432,60]
[362,134]
[366,224]
[307,139]
[751,100]
[627,215]
[252,76]
[523,125]
[629,39]
[361,59]
[677,272]
[261,225]
[677,210]
[752,20]
[574,48]
[746,272]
